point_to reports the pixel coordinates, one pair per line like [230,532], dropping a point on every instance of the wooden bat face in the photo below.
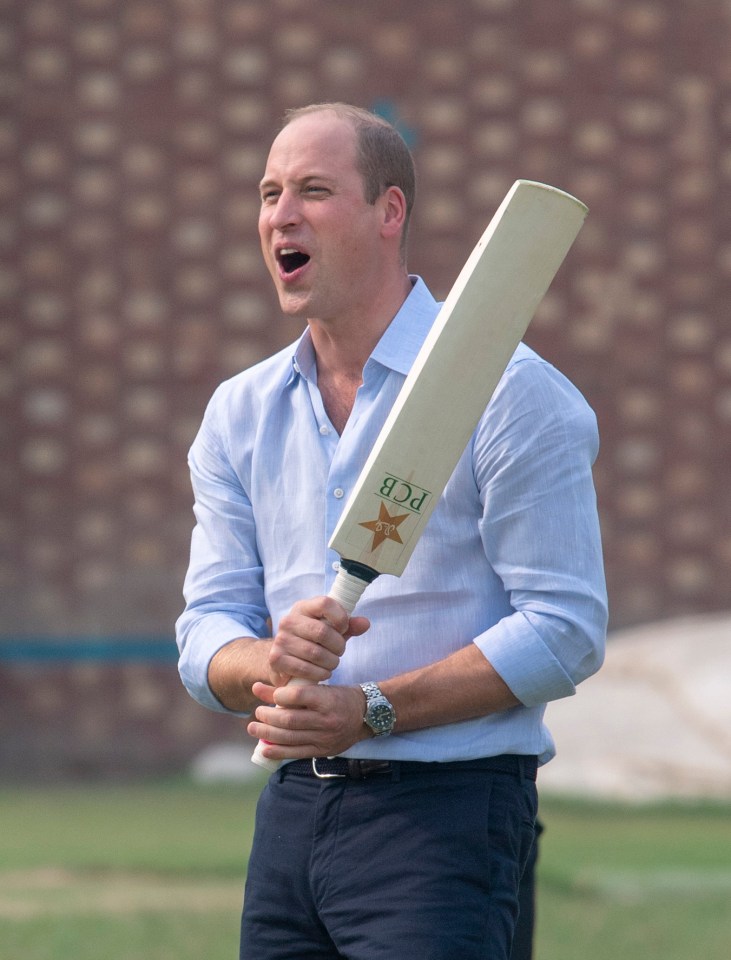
[455,374]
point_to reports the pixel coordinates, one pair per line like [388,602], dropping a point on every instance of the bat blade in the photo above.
[455,374]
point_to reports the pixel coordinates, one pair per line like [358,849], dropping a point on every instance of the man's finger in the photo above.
[357,627]
[263,691]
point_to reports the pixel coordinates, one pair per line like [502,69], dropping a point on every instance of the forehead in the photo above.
[315,143]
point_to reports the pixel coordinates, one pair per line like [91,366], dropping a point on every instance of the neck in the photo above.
[343,344]
[342,348]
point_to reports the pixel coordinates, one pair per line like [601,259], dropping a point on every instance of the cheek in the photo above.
[264,223]
[264,234]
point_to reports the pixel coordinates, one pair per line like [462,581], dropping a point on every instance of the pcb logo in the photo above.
[405,495]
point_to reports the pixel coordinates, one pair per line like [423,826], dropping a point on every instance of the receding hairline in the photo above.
[381,153]
[355,116]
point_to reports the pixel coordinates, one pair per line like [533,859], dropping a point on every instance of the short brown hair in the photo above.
[382,156]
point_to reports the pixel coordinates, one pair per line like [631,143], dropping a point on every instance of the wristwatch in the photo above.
[379,714]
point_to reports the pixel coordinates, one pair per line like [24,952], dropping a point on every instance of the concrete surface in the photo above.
[655,722]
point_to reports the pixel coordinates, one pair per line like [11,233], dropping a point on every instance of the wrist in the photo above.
[364,732]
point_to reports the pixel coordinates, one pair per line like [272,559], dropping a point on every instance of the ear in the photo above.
[393,207]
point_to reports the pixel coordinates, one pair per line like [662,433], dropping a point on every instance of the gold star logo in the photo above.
[385,528]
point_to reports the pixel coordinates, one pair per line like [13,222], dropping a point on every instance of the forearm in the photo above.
[234,669]
[327,720]
[462,686]
[307,645]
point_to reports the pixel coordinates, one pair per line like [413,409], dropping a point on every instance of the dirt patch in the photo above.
[49,891]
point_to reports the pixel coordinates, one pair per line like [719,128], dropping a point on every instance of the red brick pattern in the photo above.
[132,136]
[86,721]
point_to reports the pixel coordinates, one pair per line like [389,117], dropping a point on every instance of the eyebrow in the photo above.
[302,181]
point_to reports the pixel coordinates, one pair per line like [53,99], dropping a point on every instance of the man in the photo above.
[407,836]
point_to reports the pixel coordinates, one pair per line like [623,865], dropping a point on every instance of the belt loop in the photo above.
[395,771]
[527,768]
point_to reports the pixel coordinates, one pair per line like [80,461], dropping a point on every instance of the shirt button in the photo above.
[339,493]
[336,565]
[324,430]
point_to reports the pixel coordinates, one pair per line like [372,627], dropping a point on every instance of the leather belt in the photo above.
[349,768]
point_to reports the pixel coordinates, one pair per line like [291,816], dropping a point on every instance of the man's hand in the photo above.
[311,640]
[308,721]
[309,643]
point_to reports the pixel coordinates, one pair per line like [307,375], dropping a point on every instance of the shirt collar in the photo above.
[303,359]
[399,345]
[402,339]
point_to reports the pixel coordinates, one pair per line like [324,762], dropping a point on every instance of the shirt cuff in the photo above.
[524,661]
[202,643]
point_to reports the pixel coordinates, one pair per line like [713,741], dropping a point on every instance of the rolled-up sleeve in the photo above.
[533,459]
[223,589]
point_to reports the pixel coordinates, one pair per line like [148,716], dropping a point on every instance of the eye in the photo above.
[269,195]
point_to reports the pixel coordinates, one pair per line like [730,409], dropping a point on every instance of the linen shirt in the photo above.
[510,559]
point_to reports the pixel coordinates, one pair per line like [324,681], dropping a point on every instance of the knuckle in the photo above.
[320,632]
[336,617]
[288,721]
[331,725]
[285,624]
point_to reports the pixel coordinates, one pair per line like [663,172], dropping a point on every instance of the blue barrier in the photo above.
[61,650]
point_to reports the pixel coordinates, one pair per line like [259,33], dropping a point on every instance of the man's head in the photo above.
[332,220]
[382,157]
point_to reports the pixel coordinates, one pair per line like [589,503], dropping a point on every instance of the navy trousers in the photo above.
[421,861]
[524,936]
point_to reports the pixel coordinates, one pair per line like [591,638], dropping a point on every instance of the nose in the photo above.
[285,211]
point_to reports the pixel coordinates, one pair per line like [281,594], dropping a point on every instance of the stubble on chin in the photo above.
[293,304]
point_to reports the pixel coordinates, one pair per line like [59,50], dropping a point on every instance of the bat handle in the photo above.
[347,589]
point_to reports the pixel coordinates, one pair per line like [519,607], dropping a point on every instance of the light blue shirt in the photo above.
[510,559]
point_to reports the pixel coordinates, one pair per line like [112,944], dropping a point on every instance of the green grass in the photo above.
[142,872]
[156,871]
[164,827]
[634,882]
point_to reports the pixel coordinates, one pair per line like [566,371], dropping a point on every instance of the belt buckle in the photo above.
[326,776]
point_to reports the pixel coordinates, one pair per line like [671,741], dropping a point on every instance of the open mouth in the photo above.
[291,259]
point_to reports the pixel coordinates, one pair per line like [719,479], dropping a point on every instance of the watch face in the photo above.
[380,716]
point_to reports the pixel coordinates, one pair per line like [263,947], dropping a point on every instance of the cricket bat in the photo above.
[450,384]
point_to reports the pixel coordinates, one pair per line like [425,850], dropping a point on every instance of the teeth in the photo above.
[287,251]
